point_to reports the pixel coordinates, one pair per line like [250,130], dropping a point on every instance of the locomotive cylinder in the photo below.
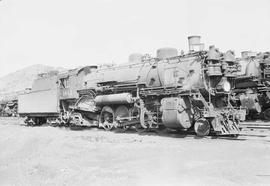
[123,98]
[176,113]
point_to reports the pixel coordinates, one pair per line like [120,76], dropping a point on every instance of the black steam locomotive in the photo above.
[192,91]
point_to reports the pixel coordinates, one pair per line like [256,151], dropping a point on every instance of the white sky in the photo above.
[72,33]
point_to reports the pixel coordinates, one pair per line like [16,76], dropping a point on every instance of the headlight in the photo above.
[226,86]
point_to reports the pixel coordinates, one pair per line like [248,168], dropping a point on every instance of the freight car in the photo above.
[181,92]
[252,85]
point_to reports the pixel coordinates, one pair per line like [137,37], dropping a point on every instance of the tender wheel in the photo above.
[35,121]
[121,112]
[202,127]
[106,119]
[30,121]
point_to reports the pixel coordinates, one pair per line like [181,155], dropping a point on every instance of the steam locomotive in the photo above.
[8,108]
[252,84]
[191,91]
[9,104]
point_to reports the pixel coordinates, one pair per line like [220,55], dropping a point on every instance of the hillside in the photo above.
[21,79]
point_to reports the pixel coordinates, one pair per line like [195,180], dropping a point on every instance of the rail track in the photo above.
[257,129]
[250,130]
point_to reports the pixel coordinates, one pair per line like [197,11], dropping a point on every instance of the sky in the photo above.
[69,33]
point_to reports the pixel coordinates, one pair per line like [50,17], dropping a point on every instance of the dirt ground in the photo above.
[60,156]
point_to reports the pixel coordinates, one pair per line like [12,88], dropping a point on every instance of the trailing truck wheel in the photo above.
[202,127]
[266,114]
[144,120]
[106,119]
[135,112]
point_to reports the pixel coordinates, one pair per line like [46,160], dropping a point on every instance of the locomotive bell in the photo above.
[253,68]
[213,53]
[243,65]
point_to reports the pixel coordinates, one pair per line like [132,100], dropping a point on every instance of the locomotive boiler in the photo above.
[181,92]
[190,91]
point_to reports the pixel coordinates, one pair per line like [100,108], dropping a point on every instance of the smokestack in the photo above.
[195,44]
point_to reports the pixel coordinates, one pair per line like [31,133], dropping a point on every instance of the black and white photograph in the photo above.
[134,92]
